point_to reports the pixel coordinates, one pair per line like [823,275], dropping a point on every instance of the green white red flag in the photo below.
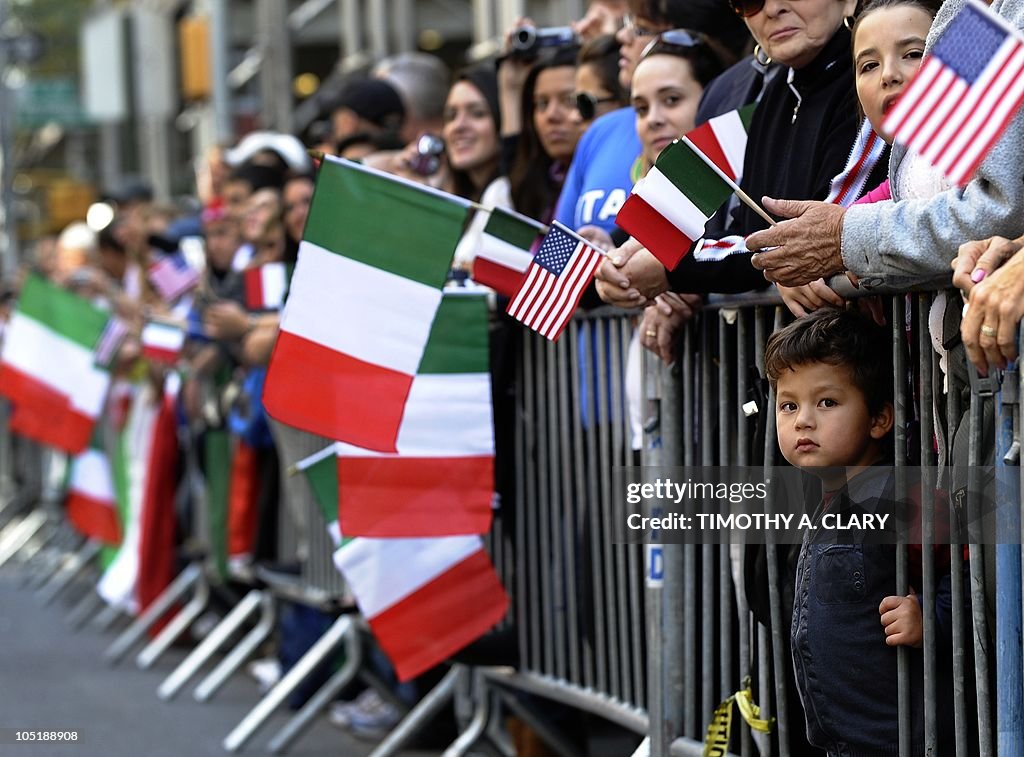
[375,255]
[91,502]
[47,366]
[670,206]
[505,250]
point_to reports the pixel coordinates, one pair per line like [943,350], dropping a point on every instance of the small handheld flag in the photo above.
[172,276]
[555,282]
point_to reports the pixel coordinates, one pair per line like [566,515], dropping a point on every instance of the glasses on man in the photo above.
[587,103]
[674,40]
[630,24]
[746,8]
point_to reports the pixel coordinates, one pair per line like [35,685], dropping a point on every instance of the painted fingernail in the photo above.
[978,275]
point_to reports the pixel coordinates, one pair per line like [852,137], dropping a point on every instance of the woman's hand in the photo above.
[995,307]
[662,321]
[975,260]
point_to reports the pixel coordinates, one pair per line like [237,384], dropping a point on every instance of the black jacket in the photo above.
[794,148]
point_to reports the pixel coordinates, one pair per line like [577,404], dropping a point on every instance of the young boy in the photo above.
[833,389]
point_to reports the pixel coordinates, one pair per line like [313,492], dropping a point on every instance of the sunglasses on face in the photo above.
[587,103]
[674,40]
[746,8]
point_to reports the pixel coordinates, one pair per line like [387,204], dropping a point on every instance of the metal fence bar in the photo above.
[978,598]
[567,535]
[900,440]
[605,610]
[582,503]
[555,522]
[926,358]
[1009,707]
[956,582]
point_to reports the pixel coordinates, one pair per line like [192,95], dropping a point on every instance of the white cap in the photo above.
[288,147]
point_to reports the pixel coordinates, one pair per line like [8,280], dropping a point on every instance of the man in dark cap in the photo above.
[367,105]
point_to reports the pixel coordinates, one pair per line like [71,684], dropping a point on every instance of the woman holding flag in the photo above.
[798,140]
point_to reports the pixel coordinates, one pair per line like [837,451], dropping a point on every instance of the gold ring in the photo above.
[987,330]
[651,333]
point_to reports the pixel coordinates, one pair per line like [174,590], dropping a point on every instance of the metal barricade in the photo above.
[702,416]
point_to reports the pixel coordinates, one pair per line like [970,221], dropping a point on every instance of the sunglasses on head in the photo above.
[673,40]
[746,8]
[587,103]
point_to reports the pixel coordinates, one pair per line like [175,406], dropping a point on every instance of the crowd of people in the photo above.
[563,133]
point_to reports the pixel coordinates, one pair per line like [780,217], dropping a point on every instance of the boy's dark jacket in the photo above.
[845,672]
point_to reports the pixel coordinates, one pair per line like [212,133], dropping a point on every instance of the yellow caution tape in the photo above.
[716,742]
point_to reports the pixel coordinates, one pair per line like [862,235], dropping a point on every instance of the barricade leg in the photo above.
[72,567]
[259,714]
[478,724]
[152,614]
[20,534]
[105,619]
[50,554]
[178,625]
[213,641]
[241,652]
[424,711]
[84,609]
[323,697]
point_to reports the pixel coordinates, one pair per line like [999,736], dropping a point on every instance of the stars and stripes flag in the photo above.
[172,276]
[555,281]
[965,95]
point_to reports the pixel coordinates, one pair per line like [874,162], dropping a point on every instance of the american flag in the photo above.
[965,94]
[113,336]
[554,282]
[172,276]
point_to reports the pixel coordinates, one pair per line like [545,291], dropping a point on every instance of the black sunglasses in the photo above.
[587,104]
[746,8]
[674,40]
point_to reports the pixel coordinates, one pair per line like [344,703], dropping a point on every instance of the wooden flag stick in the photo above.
[744,197]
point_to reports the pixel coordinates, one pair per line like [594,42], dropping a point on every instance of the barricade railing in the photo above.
[712,408]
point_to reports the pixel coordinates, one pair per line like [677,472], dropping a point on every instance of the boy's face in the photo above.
[823,419]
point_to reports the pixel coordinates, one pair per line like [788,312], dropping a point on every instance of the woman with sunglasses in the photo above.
[798,141]
[598,90]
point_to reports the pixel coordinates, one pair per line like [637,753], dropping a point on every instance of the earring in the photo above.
[849,21]
[761,56]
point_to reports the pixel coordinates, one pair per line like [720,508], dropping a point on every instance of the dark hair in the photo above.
[836,337]
[712,17]
[534,191]
[485,80]
[602,54]
[707,59]
[931,7]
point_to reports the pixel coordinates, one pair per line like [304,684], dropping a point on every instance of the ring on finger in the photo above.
[651,333]
[987,330]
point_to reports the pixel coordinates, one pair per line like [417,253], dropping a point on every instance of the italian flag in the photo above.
[374,257]
[668,208]
[424,598]
[266,286]
[146,562]
[440,482]
[91,500]
[504,251]
[162,342]
[47,366]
